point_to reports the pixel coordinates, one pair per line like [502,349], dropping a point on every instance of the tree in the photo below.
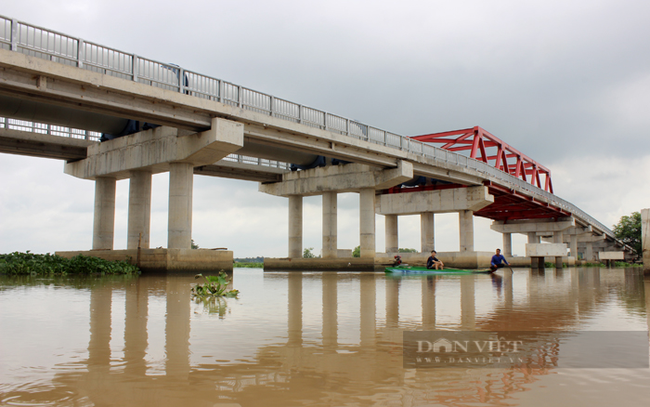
[628,230]
[194,245]
[307,253]
[406,250]
[356,252]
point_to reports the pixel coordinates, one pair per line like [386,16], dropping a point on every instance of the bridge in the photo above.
[59,94]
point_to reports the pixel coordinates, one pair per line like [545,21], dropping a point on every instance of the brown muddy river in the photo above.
[315,339]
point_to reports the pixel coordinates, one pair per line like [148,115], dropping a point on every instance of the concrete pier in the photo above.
[427,242]
[104,220]
[367,222]
[139,223]
[466,230]
[392,233]
[181,177]
[330,225]
[295,226]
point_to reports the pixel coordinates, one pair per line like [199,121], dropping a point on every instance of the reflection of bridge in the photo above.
[290,367]
[64,81]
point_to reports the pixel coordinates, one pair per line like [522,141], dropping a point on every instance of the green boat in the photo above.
[423,270]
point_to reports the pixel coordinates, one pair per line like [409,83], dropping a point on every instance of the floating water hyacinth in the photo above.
[214,286]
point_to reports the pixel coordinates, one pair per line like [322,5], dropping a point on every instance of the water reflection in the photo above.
[313,338]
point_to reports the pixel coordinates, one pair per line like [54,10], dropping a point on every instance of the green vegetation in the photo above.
[194,245]
[356,252]
[628,230]
[249,265]
[214,286]
[403,250]
[18,263]
[308,254]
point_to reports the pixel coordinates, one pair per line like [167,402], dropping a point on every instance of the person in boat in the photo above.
[433,262]
[498,261]
[398,261]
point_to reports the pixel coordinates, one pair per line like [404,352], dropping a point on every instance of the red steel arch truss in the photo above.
[485,147]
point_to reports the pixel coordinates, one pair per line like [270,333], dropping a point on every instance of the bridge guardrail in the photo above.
[48,44]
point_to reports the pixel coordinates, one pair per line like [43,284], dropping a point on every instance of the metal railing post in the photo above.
[14,34]
[134,67]
[81,53]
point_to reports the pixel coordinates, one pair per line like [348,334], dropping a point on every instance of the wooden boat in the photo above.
[423,270]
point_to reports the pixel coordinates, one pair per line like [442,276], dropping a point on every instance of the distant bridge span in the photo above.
[53,78]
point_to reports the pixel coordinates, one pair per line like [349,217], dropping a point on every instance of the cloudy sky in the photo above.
[565,82]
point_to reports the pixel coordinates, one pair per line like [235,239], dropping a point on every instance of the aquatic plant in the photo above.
[27,263]
[214,286]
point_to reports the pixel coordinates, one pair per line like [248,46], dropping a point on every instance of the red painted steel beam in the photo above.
[477,140]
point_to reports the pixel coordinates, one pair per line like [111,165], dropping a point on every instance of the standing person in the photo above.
[433,262]
[497,261]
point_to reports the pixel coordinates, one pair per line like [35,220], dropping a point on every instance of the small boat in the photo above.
[423,270]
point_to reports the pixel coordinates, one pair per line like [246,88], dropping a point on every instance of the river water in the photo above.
[311,339]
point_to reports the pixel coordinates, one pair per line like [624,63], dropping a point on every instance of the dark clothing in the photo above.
[497,262]
[430,261]
[498,259]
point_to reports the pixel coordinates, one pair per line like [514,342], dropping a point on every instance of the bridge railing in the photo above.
[48,44]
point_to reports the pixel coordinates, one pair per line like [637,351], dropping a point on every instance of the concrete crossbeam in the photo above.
[155,149]
[439,201]
[338,178]
[545,228]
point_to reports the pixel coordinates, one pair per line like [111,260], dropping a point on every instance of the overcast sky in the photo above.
[565,82]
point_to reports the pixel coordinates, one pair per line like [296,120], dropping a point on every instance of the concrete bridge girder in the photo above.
[541,228]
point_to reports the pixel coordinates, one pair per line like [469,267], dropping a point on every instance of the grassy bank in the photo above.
[18,263]
[248,265]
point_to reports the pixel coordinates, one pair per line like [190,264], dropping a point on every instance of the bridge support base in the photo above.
[166,260]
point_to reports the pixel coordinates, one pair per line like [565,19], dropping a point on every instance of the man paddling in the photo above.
[433,262]
[497,261]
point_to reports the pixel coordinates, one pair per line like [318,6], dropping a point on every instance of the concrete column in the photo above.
[426,232]
[466,232]
[645,242]
[533,238]
[507,245]
[589,251]
[295,226]
[329,225]
[573,245]
[139,210]
[104,222]
[558,237]
[180,206]
[367,222]
[391,234]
